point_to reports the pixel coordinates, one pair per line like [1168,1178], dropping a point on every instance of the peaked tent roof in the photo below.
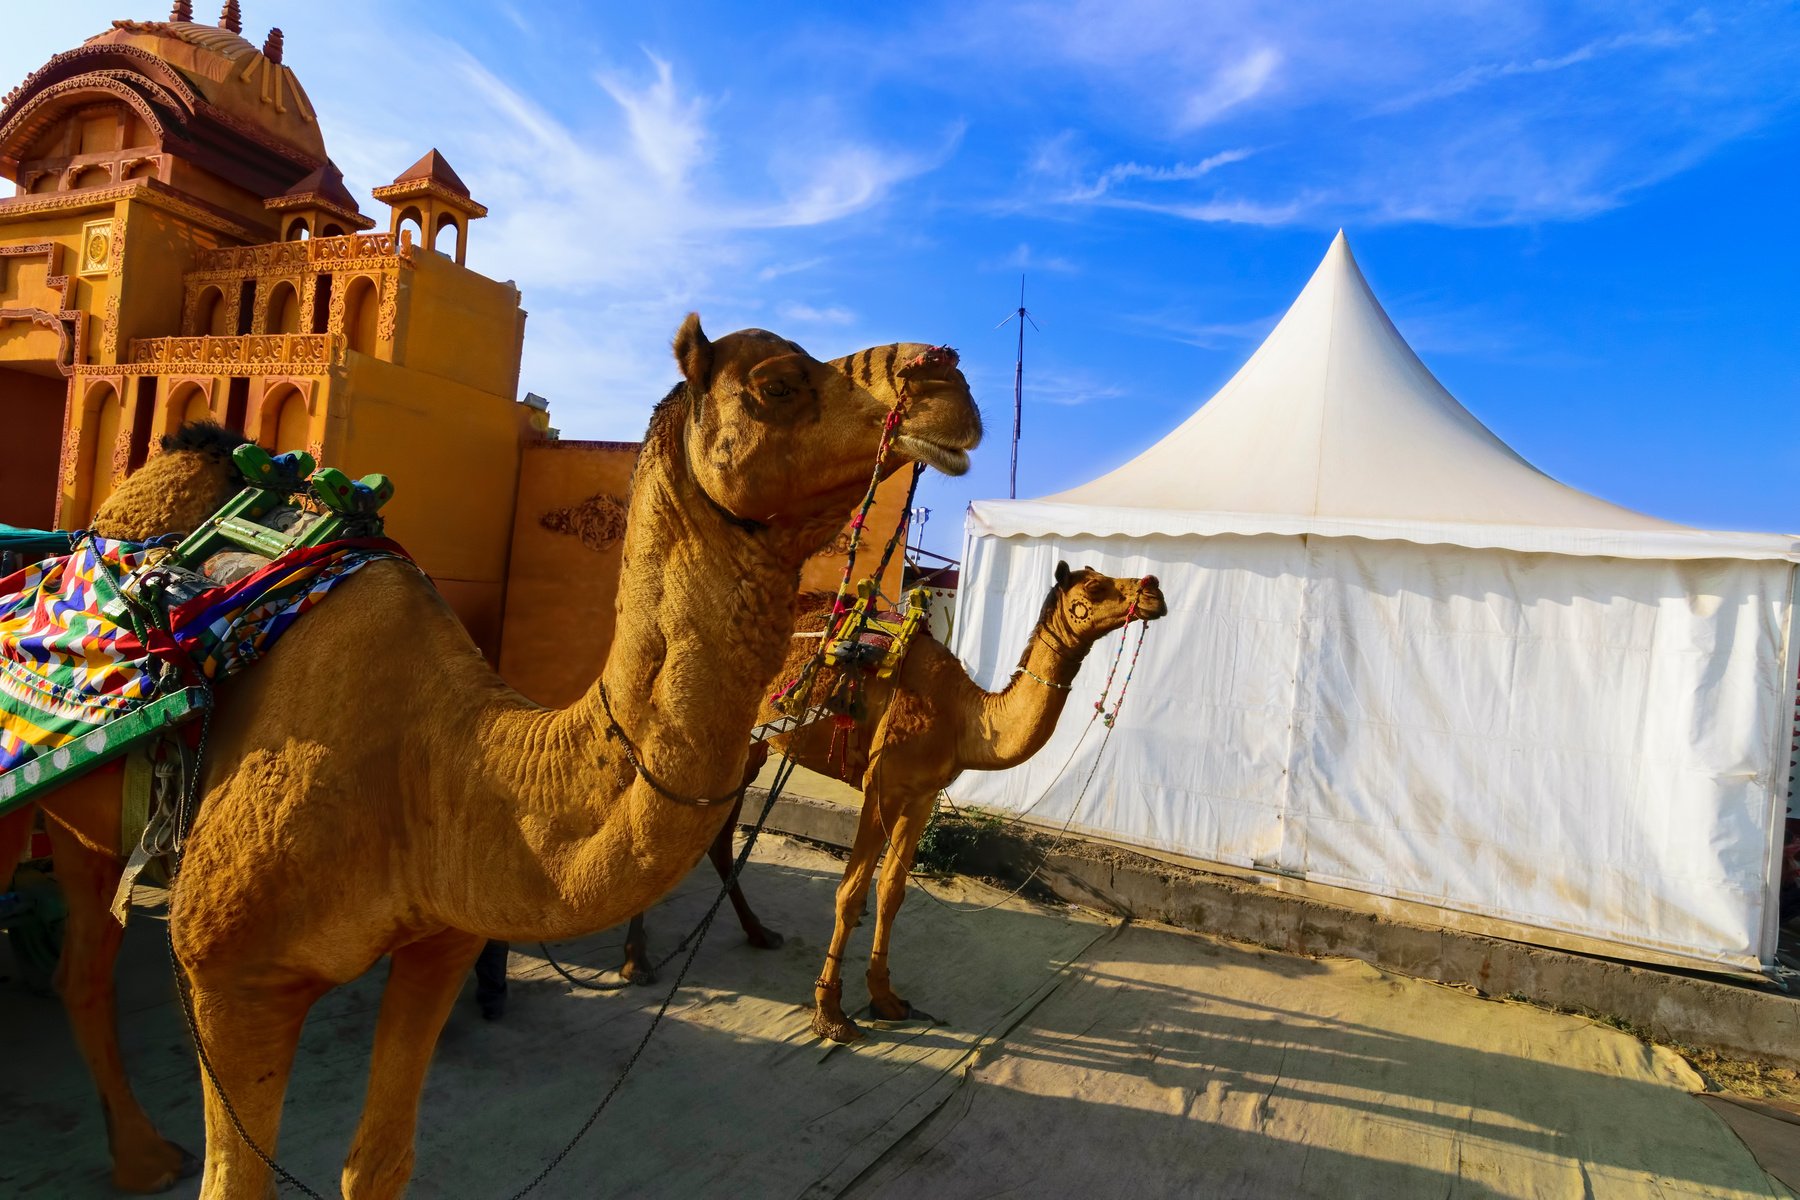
[1335,427]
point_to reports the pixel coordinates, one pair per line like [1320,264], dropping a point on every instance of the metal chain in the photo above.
[699,935]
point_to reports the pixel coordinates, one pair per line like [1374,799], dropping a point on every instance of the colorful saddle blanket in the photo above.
[67,669]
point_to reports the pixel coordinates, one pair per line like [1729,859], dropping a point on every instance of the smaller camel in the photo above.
[921,729]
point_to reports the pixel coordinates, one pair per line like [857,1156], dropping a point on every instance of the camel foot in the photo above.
[835,1027]
[168,1167]
[893,1008]
[637,972]
[763,938]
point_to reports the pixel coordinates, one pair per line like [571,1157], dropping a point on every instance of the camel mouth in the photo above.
[948,459]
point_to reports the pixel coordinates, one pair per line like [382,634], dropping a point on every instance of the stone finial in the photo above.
[272,46]
[183,12]
[232,18]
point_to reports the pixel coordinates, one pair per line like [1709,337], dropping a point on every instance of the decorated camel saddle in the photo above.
[861,642]
[106,645]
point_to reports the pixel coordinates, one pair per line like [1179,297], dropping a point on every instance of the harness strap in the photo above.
[1021,669]
[614,729]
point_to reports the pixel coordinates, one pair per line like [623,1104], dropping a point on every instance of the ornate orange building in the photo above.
[181,246]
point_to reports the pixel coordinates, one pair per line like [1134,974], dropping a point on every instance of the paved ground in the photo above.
[1074,1059]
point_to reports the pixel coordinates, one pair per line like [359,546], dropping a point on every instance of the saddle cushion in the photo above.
[67,669]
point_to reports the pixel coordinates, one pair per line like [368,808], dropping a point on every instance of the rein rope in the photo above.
[801,684]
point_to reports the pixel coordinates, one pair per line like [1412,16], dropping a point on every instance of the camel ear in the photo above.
[1062,574]
[694,353]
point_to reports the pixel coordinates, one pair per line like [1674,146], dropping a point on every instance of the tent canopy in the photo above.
[1334,426]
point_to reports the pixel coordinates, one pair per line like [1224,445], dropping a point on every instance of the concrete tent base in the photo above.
[1074,1058]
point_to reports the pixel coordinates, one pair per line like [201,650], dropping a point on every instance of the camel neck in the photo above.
[1007,727]
[704,609]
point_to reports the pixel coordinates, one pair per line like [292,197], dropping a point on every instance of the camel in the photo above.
[435,808]
[920,730]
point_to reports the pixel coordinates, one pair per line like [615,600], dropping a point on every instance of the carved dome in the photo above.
[209,95]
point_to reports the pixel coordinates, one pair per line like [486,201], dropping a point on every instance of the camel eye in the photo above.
[777,389]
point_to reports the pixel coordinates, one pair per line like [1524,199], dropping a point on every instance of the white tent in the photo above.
[1402,660]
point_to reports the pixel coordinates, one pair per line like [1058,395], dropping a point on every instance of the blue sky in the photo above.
[1581,216]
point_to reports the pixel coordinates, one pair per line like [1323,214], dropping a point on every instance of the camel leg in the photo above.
[637,967]
[829,1020]
[422,986]
[490,979]
[724,854]
[250,1035]
[142,1160]
[903,840]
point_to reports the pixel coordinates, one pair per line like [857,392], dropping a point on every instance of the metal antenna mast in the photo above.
[1021,315]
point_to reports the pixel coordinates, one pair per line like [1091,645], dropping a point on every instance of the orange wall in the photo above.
[564,574]
[459,324]
[453,454]
[565,566]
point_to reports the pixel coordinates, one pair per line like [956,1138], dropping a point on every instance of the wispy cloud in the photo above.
[1407,113]
[1236,83]
[1027,259]
[1481,74]
[1176,173]
[668,129]
[1206,335]
[807,314]
[776,271]
[616,225]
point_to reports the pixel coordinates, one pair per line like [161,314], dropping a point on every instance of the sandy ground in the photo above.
[1073,1058]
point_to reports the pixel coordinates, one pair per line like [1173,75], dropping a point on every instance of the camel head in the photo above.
[778,439]
[1085,605]
[176,491]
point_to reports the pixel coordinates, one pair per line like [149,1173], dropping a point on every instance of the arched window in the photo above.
[446,224]
[360,315]
[101,446]
[411,218]
[209,314]
[321,317]
[286,423]
[332,231]
[142,417]
[189,403]
[297,230]
[284,309]
[92,177]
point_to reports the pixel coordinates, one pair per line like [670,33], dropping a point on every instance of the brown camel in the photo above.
[438,808]
[920,730]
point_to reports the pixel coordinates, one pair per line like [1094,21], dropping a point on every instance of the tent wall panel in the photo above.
[1574,743]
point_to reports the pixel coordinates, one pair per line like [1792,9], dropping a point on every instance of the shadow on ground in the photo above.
[1159,1063]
